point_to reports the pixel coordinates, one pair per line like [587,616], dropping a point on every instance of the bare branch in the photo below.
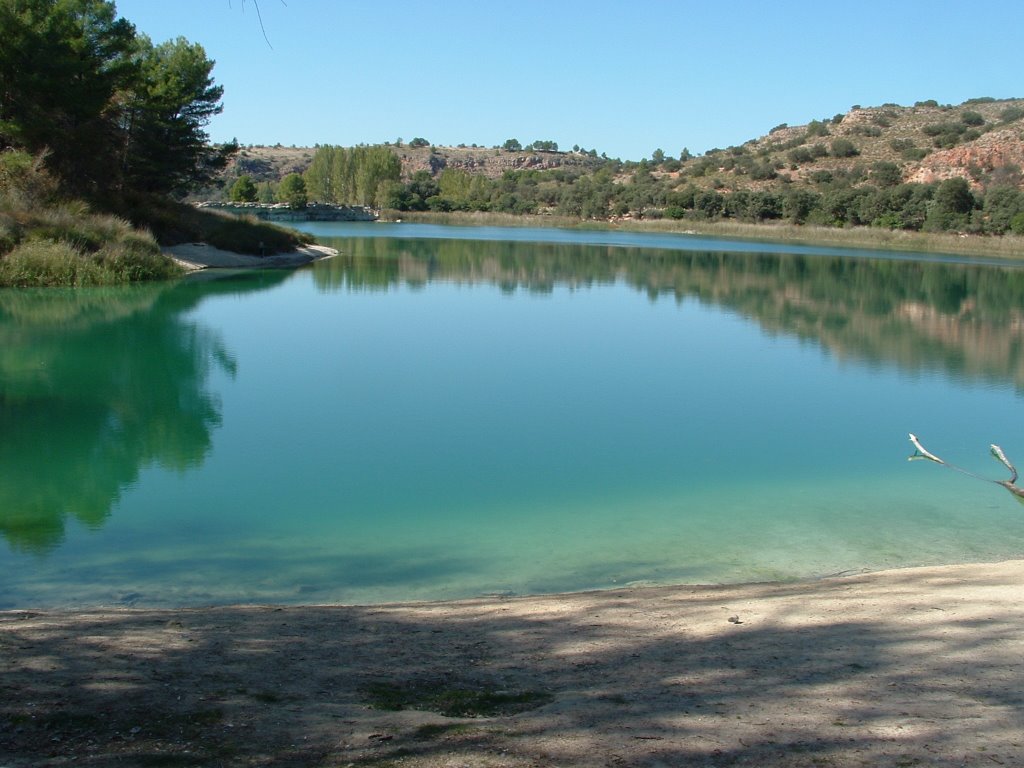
[998,453]
[259,16]
[920,452]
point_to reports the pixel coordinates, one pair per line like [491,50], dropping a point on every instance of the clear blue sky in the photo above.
[623,78]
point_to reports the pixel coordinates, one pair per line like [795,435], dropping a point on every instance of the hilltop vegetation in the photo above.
[924,167]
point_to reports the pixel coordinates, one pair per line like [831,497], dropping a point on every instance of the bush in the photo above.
[1017,224]
[913,154]
[40,263]
[886,174]
[972,118]
[1010,114]
[817,128]
[37,263]
[800,155]
[24,180]
[844,148]
[938,129]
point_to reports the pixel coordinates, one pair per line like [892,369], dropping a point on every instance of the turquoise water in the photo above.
[444,412]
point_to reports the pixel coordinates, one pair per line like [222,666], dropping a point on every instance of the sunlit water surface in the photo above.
[444,412]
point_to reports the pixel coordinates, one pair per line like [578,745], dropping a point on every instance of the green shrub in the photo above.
[135,260]
[946,127]
[800,155]
[39,262]
[24,181]
[1017,224]
[47,262]
[9,236]
[1010,114]
[913,154]
[972,118]
[844,148]
[817,128]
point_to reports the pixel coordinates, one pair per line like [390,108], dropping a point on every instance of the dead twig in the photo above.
[920,452]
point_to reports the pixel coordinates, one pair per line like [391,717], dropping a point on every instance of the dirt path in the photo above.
[910,667]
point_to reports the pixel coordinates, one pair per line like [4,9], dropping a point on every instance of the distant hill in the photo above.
[981,140]
[925,167]
[274,163]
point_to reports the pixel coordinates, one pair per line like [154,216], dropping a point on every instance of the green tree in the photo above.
[166,148]
[886,174]
[63,65]
[1001,205]
[292,190]
[512,145]
[111,110]
[353,176]
[243,190]
[798,204]
[951,206]
[320,175]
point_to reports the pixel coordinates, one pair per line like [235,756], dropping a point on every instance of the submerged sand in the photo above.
[921,666]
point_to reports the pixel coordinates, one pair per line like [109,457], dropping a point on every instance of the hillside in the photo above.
[271,164]
[926,167]
[980,140]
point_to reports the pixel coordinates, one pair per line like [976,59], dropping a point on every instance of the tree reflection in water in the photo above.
[96,384]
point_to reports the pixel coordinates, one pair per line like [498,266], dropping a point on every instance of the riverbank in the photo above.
[1010,247]
[921,666]
[196,256]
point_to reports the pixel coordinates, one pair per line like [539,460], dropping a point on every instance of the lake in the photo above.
[445,412]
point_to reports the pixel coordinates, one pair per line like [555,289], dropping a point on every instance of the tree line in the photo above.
[874,199]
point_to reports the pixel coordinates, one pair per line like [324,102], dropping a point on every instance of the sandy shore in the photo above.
[195,256]
[911,667]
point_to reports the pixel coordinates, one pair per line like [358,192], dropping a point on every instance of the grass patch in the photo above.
[173,223]
[46,240]
[39,262]
[454,699]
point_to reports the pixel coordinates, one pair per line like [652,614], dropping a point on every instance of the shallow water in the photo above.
[444,412]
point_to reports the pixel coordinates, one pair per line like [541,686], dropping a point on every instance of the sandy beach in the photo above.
[196,256]
[920,666]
